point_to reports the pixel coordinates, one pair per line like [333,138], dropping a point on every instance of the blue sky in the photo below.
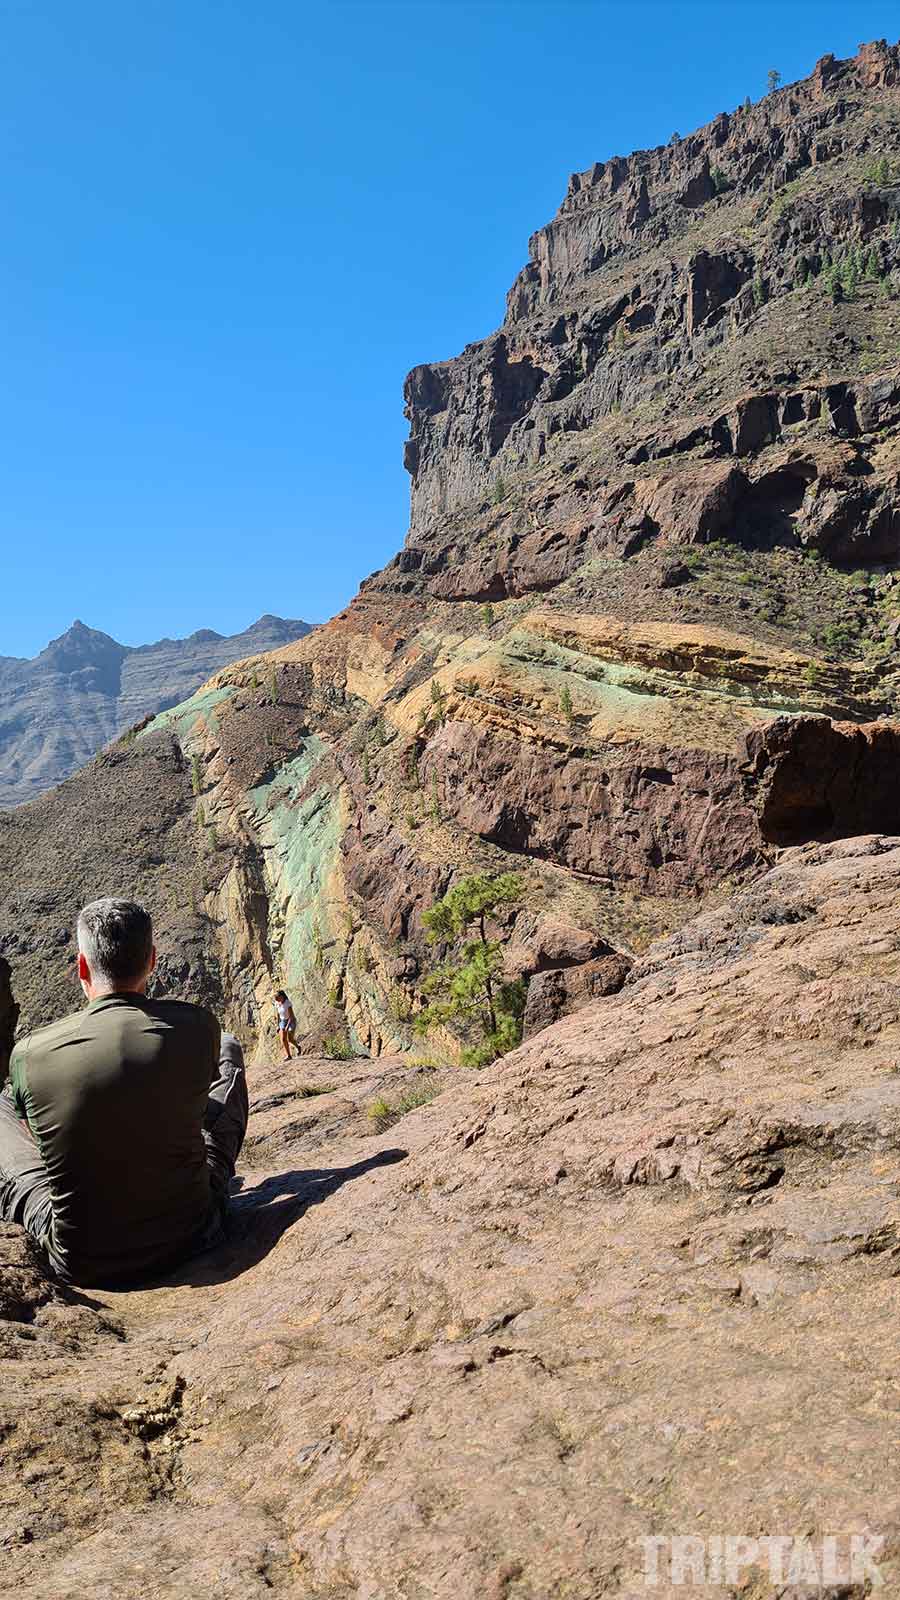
[229,229]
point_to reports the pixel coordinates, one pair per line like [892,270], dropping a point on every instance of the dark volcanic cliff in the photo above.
[59,709]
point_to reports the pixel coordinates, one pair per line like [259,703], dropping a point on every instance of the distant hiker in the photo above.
[287,1023]
[121,1124]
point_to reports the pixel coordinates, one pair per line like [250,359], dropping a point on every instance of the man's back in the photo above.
[115,1097]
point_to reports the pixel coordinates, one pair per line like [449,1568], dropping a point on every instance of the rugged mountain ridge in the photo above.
[652,518]
[58,709]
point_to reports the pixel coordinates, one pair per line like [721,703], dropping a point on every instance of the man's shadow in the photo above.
[259,1216]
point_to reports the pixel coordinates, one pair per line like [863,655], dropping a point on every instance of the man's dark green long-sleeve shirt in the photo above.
[114,1096]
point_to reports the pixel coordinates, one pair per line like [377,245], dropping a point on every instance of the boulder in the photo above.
[560,990]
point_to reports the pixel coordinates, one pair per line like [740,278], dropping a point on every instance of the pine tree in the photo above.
[470,989]
[773,79]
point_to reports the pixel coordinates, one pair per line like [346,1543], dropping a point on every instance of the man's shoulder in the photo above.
[52,1033]
[183,1013]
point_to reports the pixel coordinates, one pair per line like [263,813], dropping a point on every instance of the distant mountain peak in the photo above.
[84,688]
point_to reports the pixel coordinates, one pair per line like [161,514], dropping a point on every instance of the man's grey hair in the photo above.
[116,939]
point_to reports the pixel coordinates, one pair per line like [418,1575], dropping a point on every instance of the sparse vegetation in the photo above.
[338,1047]
[487,615]
[195,774]
[720,180]
[565,703]
[499,491]
[878,171]
[384,1113]
[273,686]
[773,79]
[470,989]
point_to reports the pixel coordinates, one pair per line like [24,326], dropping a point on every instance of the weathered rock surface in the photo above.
[637,1278]
[58,710]
[812,778]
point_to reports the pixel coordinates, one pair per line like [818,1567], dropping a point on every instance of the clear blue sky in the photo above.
[231,226]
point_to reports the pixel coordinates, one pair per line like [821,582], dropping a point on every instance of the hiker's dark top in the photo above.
[114,1096]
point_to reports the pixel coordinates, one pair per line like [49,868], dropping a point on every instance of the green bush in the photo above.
[338,1048]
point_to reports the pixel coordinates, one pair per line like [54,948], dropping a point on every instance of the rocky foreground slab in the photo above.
[637,1279]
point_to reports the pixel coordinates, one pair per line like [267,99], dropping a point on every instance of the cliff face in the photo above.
[653,531]
[58,710]
[677,300]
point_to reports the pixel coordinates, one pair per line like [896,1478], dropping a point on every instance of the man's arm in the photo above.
[16,1084]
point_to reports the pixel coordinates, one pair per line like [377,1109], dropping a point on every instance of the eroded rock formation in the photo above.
[652,516]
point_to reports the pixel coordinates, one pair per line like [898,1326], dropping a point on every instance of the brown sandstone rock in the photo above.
[560,990]
[816,779]
[500,1363]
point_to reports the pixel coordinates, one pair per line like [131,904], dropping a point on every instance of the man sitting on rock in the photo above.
[121,1124]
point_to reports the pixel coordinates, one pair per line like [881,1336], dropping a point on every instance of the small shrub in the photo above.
[719,181]
[273,686]
[565,703]
[487,615]
[759,291]
[400,1005]
[338,1048]
[195,773]
[333,996]
[499,491]
[878,171]
[383,1114]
